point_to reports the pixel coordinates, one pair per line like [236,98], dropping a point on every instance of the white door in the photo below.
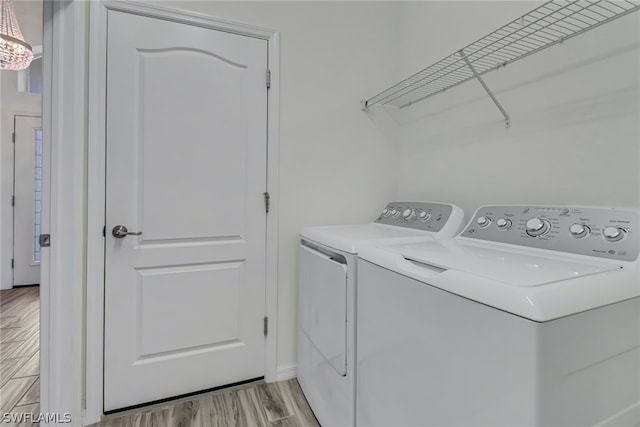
[27,200]
[186,167]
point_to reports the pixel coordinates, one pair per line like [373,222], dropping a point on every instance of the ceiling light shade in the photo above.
[15,53]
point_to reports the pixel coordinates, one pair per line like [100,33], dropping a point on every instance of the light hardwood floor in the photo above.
[19,350]
[257,404]
[251,405]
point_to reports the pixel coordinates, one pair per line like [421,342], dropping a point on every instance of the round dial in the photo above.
[537,227]
[579,230]
[385,212]
[395,213]
[613,234]
[409,214]
[483,221]
[503,224]
[425,216]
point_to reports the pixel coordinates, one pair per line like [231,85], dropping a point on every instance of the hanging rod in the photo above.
[545,26]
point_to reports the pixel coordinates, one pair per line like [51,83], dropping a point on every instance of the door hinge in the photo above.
[268,79]
[267,201]
[45,240]
[266,325]
[13,137]
[13,200]
[13,263]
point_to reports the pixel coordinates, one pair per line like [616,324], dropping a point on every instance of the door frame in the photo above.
[13,192]
[62,274]
[96,181]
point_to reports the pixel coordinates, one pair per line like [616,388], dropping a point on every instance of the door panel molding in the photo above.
[96,181]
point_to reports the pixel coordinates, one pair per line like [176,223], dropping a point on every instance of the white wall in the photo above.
[575,109]
[335,165]
[12,102]
[574,137]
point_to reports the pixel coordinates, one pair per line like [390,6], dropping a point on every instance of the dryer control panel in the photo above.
[601,232]
[416,215]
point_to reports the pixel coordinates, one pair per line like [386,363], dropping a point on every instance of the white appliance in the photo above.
[530,317]
[326,298]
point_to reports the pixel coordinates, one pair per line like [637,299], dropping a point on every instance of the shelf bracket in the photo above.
[507,119]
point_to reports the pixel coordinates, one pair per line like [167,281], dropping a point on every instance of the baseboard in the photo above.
[287,372]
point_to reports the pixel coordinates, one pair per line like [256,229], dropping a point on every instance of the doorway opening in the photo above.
[21,154]
[27,200]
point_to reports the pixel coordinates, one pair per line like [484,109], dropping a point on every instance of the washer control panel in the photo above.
[416,215]
[601,232]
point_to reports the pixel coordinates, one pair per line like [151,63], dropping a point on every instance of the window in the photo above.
[38,196]
[34,82]
[30,80]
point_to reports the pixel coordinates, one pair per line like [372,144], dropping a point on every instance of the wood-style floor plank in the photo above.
[7,349]
[33,409]
[32,396]
[19,349]
[26,333]
[215,410]
[272,402]
[250,411]
[7,321]
[250,405]
[13,390]
[183,414]
[22,307]
[296,403]
[9,367]
[10,296]
[244,406]
[30,368]
[11,335]
[291,421]
[27,348]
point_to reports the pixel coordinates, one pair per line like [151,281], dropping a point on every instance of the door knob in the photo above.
[120,231]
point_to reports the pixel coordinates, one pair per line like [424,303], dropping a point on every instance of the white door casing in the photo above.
[186,166]
[27,202]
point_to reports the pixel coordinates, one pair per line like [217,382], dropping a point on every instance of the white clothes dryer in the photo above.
[327,298]
[530,317]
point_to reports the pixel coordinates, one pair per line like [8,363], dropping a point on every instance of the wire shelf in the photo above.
[548,25]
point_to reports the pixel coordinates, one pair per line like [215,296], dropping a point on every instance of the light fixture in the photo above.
[15,53]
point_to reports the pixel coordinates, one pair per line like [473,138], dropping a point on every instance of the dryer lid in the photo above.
[349,238]
[510,266]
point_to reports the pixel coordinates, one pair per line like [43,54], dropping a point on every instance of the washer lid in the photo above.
[534,284]
[509,266]
[348,238]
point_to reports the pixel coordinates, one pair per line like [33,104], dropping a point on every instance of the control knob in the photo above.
[385,212]
[395,213]
[483,221]
[409,214]
[425,216]
[503,224]
[537,227]
[579,230]
[613,234]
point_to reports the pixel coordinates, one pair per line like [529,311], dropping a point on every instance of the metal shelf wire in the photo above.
[547,25]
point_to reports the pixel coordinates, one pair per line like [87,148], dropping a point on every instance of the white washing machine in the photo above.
[327,298]
[530,317]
